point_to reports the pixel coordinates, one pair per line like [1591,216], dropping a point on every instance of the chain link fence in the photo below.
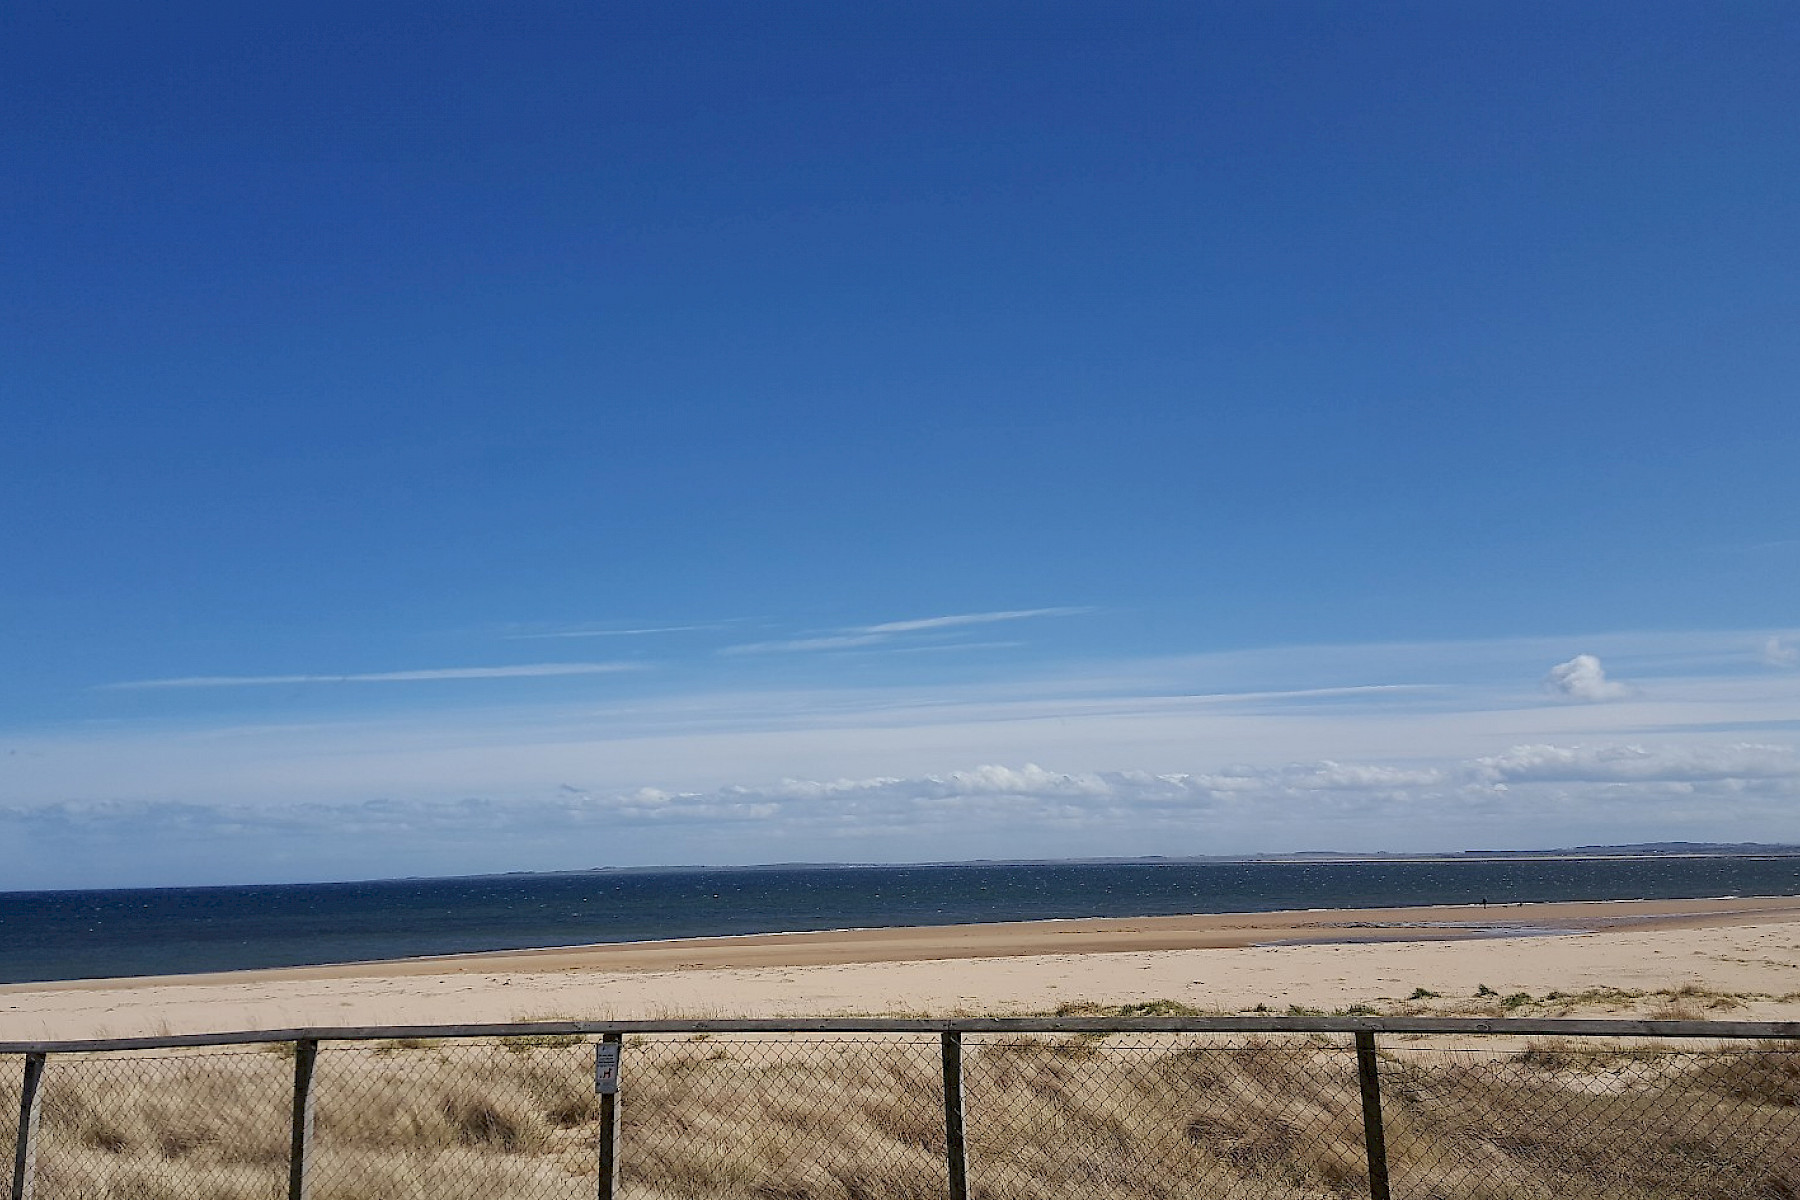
[200,1123]
[998,1111]
[12,1068]
[1566,1118]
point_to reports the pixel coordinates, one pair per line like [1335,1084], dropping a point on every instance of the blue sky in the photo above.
[478,437]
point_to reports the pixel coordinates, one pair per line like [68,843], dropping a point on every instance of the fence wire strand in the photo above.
[1125,1116]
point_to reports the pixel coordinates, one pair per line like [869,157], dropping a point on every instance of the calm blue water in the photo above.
[74,935]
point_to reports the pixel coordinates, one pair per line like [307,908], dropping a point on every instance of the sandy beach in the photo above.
[1723,957]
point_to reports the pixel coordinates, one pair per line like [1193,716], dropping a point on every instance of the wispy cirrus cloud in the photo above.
[608,633]
[957,620]
[937,647]
[856,636]
[429,675]
[831,641]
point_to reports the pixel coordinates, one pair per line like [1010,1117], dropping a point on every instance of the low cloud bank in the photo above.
[1529,795]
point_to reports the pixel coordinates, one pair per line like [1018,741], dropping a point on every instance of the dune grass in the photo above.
[1118,1117]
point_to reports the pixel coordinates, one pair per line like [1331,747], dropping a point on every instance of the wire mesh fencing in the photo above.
[207,1123]
[1166,1115]
[1017,1112]
[1616,1122]
[12,1067]
[454,1120]
[782,1117]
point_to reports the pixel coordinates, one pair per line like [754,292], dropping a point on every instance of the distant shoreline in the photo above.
[1029,938]
[1750,851]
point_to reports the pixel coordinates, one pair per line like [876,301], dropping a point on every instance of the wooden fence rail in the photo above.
[1516,1026]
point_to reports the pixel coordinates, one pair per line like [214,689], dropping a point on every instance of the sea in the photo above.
[159,931]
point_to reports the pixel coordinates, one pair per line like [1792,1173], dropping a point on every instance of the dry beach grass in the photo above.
[1124,1117]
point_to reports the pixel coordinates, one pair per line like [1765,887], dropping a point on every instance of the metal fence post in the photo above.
[955,1151]
[1374,1137]
[306,1052]
[607,1056]
[24,1178]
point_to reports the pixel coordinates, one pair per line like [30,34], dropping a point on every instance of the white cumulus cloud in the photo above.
[1583,678]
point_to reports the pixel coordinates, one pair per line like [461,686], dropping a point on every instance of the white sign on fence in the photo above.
[606,1068]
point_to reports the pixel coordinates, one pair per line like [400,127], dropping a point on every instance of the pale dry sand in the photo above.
[1737,958]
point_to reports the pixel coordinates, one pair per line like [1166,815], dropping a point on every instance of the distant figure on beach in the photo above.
[1484,902]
